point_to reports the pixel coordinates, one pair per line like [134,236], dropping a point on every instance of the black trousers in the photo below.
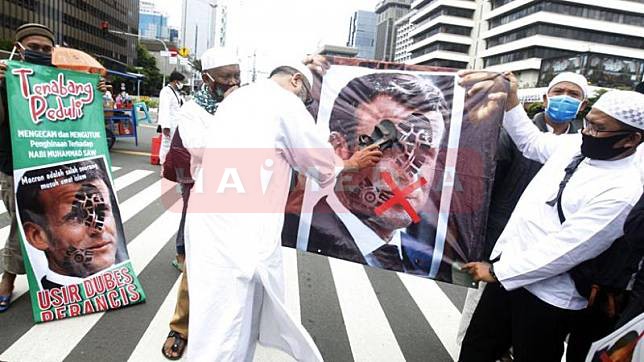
[534,329]
[180,240]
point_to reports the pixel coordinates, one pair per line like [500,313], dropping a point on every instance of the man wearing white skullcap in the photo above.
[565,97]
[571,212]
[234,257]
[220,74]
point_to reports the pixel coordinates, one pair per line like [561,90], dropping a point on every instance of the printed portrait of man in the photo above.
[72,222]
[406,115]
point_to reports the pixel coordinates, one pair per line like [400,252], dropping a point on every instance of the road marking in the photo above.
[439,311]
[3,208]
[72,330]
[115,168]
[369,332]
[130,178]
[138,202]
[149,346]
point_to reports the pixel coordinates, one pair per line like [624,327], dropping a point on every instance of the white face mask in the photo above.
[179,85]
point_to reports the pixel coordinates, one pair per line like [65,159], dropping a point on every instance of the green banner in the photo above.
[72,236]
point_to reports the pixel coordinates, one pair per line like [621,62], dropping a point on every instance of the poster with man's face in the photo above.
[421,209]
[70,222]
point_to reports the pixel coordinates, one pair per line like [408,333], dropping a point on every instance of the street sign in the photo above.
[164,53]
[172,60]
[184,61]
[184,52]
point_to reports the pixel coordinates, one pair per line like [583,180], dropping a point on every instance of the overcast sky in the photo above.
[282,27]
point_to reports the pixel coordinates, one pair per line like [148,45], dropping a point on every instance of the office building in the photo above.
[442,34]
[362,33]
[77,24]
[152,23]
[388,12]
[404,26]
[597,35]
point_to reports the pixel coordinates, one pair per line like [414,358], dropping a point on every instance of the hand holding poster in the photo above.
[623,345]
[70,226]
[422,208]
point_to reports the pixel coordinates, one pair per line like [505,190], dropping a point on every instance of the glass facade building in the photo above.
[362,33]
[77,24]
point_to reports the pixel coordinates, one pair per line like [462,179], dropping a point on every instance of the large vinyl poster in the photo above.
[422,209]
[72,236]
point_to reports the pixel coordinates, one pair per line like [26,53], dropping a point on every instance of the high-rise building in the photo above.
[197,25]
[404,26]
[362,33]
[78,24]
[442,34]
[204,24]
[152,23]
[388,12]
[586,36]
[522,33]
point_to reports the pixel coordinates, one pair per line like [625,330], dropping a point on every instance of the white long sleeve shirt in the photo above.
[169,106]
[536,250]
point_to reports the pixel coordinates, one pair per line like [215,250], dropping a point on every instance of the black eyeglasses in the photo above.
[590,128]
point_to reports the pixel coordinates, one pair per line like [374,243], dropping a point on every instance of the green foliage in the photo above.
[153,81]
[534,108]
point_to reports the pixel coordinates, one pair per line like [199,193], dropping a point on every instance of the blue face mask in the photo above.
[562,109]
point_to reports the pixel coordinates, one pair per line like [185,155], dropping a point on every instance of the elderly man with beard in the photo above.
[221,78]
[345,225]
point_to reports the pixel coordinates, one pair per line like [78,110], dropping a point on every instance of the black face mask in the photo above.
[221,89]
[597,148]
[35,57]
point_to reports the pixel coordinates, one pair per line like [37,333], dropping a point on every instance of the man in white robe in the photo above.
[234,254]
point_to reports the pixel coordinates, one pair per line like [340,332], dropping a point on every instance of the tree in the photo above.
[152,83]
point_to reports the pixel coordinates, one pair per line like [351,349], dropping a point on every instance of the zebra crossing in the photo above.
[354,313]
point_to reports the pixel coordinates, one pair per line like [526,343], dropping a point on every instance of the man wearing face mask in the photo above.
[565,97]
[234,257]
[571,212]
[170,102]
[34,43]
[221,78]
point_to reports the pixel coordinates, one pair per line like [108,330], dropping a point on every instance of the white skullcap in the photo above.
[218,57]
[293,63]
[574,78]
[625,106]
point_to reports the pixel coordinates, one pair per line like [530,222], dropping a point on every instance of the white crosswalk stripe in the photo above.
[364,321]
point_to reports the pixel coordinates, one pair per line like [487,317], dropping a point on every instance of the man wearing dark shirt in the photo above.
[34,44]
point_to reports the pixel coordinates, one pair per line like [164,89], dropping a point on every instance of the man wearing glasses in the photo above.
[571,212]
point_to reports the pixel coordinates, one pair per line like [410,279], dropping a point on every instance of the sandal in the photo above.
[178,346]
[5,302]
[177,265]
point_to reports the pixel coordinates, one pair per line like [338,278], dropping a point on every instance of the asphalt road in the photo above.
[353,313]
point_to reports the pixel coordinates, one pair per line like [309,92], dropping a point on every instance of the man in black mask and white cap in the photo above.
[34,43]
[571,212]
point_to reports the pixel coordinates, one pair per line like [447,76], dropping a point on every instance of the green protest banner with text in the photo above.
[69,222]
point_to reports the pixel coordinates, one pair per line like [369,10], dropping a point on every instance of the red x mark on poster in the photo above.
[399,196]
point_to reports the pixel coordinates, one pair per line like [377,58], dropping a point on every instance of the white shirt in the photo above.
[535,249]
[365,238]
[169,106]
[640,156]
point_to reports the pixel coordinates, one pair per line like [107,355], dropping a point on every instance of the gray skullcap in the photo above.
[30,29]
[625,106]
